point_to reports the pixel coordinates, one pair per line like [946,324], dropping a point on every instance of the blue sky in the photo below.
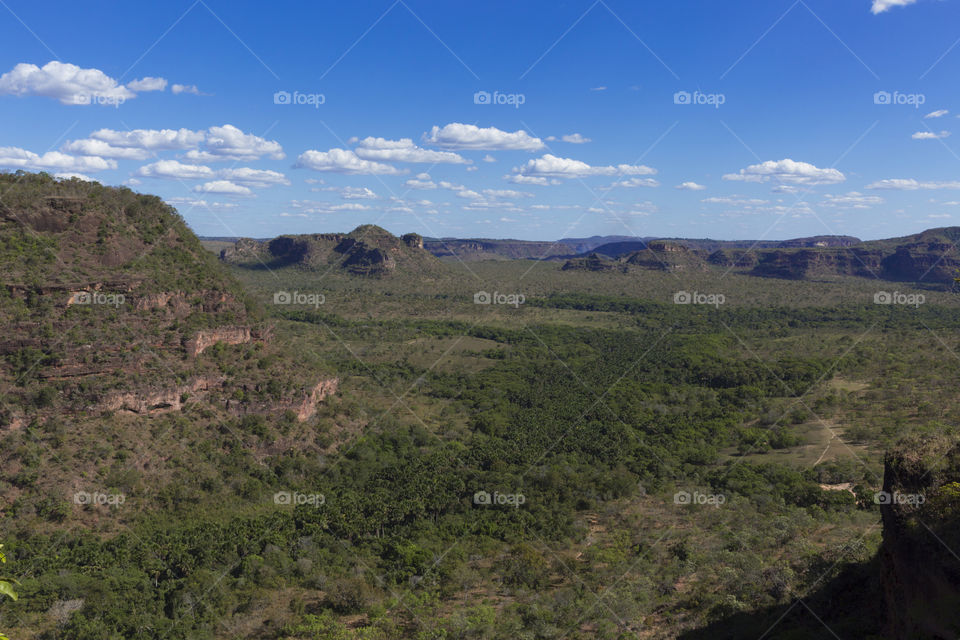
[535,120]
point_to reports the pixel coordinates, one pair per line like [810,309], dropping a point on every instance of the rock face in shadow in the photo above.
[921,539]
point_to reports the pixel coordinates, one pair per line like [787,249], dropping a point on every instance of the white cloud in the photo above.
[254,177]
[203,204]
[468,136]
[636,182]
[72,174]
[227,142]
[61,81]
[601,88]
[311,206]
[175,169]
[468,194]
[930,135]
[90,147]
[224,187]
[186,88]
[358,193]
[879,6]
[909,184]
[736,201]
[404,150]
[785,188]
[690,186]
[148,84]
[422,181]
[489,158]
[937,114]
[153,139]
[506,193]
[551,166]
[52,160]
[788,171]
[521,179]
[343,161]
[851,200]
[575,138]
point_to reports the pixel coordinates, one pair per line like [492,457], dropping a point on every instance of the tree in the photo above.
[6,586]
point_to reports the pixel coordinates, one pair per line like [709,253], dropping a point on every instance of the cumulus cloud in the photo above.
[224,187]
[422,181]
[636,182]
[489,158]
[186,88]
[851,200]
[787,171]
[551,166]
[254,177]
[152,139]
[404,150]
[468,136]
[203,204]
[937,114]
[343,161]
[175,169]
[90,147]
[909,184]
[227,142]
[358,193]
[575,138]
[690,186]
[52,160]
[879,6]
[522,179]
[148,84]
[736,201]
[506,193]
[65,82]
[930,135]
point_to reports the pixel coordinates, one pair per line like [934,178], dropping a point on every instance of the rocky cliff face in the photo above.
[366,251]
[481,249]
[920,507]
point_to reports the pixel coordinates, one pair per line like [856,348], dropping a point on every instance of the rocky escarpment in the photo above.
[366,251]
[920,507]
[592,262]
[668,256]
[483,249]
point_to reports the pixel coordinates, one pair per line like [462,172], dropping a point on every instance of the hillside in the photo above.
[368,250]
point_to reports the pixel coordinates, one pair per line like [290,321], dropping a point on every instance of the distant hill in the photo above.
[482,249]
[928,257]
[368,250]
